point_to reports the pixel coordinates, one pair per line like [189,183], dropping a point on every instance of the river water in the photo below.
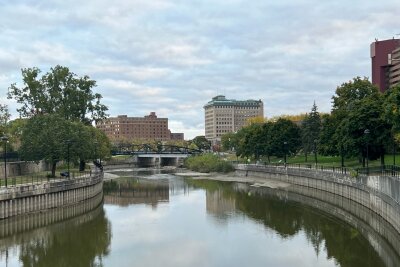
[165,220]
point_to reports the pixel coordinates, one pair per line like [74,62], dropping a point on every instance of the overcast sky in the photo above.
[172,57]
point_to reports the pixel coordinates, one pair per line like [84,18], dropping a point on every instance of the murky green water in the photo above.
[169,221]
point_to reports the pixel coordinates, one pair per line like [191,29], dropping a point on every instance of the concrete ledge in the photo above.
[30,198]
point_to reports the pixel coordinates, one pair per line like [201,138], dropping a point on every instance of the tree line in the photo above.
[362,121]
[56,112]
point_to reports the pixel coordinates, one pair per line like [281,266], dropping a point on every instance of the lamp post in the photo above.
[68,144]
[284,148]
[5,140]
[366,133]
[394,152]
[315,152]
[95,150]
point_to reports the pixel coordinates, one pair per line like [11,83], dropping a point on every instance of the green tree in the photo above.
[327,144]
[310,130]
[391,109]
[44,137]
[50,136]
[358,106]
[201,142]
[59,91]
[228,141]
[4,118]
[282,131]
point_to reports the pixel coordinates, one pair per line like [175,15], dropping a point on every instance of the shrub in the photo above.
[208,163]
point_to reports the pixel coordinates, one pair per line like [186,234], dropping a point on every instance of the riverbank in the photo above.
[232,177]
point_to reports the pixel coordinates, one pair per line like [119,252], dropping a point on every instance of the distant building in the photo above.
[228,115]
[177,136]
[385,61]
[147,127]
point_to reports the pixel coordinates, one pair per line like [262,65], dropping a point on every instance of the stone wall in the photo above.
[32,198]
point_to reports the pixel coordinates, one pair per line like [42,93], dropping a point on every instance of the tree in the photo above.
[310,130]
[358,106]
[281,131]
[4,118]
[228,141]
[59,91]
[50,136]
[391,109]
[327,144]
[44,137]
[201,142]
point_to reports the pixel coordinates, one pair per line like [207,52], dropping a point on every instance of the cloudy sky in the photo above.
[172,56]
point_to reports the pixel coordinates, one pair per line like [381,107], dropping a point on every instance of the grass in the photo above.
[330,161]
[37,177]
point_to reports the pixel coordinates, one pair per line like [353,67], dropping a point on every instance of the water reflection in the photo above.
[163,220]
[285,214]
[83,240]
[136,191]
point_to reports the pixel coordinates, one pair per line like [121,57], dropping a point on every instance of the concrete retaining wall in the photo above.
[379,194]
[22,167]
[30,198]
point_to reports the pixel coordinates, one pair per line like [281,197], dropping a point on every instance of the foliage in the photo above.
[310,130]
[358,106]
[4,118]
[228,141]
[391,110]
[255,120]
[59,91]
[201,142]
[49,137]
[208,163]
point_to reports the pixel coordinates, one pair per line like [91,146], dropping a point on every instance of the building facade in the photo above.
[228,115]
[385,62]
[149,127]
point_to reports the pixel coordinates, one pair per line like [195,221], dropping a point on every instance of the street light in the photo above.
[68,144]
[5,141]
[366,133]
[315,152]
[284,148]
[95,150]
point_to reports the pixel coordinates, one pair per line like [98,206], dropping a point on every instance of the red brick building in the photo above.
[385,59]
[149,127]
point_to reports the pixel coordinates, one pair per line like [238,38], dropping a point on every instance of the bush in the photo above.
[208,163]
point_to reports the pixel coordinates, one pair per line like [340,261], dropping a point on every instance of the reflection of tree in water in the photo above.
[342,242]
[70,244]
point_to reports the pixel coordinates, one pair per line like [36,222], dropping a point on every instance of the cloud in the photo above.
[172,57]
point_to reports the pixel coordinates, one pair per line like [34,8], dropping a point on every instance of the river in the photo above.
[164,220]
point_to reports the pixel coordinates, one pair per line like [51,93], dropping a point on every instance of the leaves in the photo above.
[58,92]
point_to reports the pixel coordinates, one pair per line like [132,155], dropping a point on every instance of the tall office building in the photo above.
[147,127]
[385,59]
[228,115]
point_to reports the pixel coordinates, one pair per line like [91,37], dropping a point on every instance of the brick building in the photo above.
[385,62]
[149,127]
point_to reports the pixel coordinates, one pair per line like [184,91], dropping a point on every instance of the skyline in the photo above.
[172,57]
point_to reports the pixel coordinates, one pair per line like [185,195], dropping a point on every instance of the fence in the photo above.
[383,170]
[36,179]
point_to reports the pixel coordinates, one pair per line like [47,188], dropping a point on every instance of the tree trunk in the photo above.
[383,159]
[82,164]
[306,155]
[53,169]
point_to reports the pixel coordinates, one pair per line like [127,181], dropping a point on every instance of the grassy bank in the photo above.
[208,163]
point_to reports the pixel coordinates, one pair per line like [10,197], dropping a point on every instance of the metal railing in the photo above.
[36,179]
[383,170]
